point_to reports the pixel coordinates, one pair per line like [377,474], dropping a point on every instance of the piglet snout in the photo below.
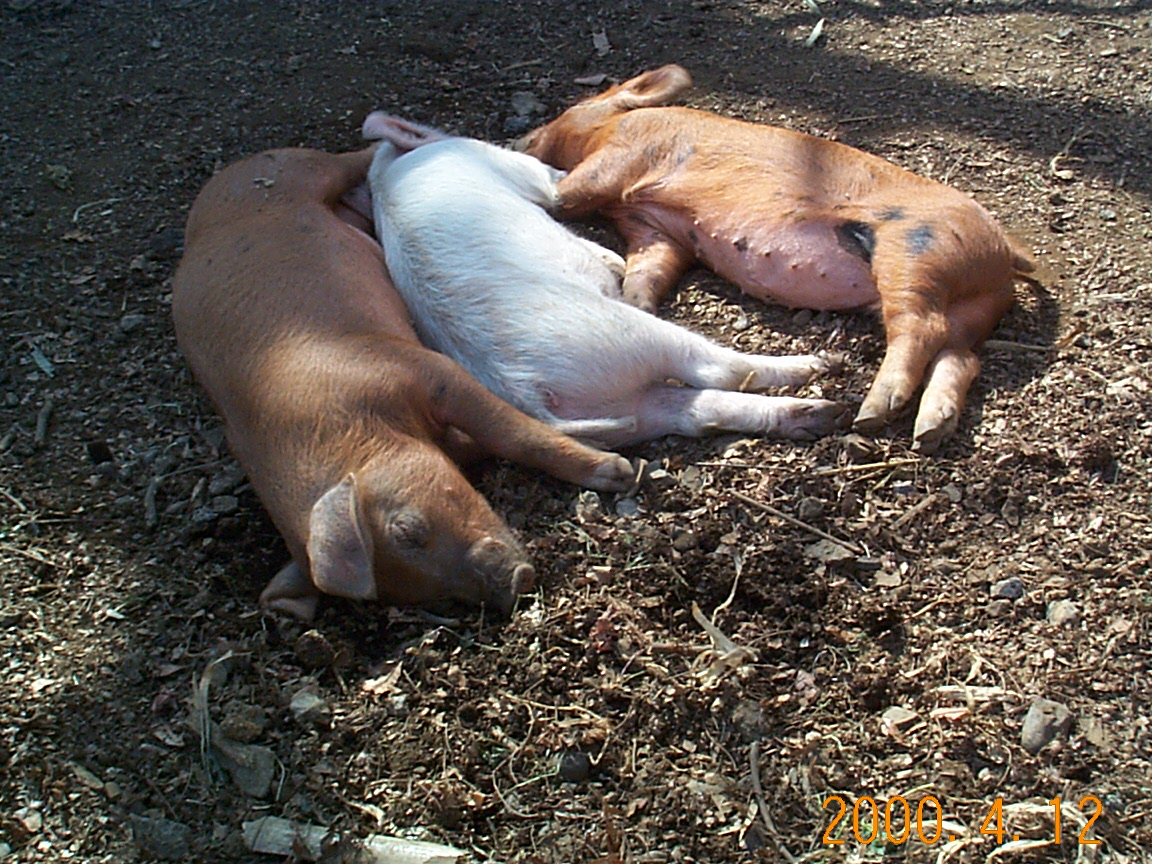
[502,570]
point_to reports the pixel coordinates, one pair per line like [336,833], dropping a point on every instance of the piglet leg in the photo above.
[952,371]
[913,309]
[655,263]
[292,592]
[459,401]
[667,410]
[704,365]
[945,385]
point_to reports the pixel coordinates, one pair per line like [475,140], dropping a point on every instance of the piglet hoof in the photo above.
[816,418]
[876,411]
[869,423]
[931,432]
[613,474]
[831,362]
[641,299]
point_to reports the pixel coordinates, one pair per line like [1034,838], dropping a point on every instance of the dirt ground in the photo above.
[603,722]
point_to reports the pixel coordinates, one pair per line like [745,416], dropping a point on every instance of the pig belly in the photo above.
[803,265]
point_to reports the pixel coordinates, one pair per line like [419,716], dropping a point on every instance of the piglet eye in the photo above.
[409,529]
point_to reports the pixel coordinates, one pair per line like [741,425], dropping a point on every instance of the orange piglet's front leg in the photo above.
[952,371]
[946,384]
[497,428]
[654,265]
[916,331]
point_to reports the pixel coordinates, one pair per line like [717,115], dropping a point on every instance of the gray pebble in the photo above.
[251,766]
[685,541]
[525,103]
[1063,612]
[517,125]
[859,449]
[224,504]
[1043,722]
[809,509]
[164,464]
[309,708]
[575,767]
[1008,589]
[204,515]
[627,507]
[167,840]
[132,321]
[166,243]
[225,480]
[999,608]
[828,552]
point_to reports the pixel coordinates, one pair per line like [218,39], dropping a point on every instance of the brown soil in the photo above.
[600,723]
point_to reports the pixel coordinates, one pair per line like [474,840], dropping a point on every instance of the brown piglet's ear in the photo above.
[654,88]
[339,552]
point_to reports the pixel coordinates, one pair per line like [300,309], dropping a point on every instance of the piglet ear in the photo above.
[339,552]
[654,88]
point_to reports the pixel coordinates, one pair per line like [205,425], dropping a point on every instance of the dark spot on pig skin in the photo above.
[741,244]
[684,155]
[919,239]
[692,236]
[857,238]
[892,214]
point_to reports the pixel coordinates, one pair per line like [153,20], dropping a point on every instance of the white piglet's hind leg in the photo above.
[703,364]
[669,410]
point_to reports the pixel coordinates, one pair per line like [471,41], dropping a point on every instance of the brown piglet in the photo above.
[796,219]
[349,430]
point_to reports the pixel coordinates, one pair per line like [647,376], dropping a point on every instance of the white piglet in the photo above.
[529,308]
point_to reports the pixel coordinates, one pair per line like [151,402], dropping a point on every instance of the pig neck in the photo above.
[343,421]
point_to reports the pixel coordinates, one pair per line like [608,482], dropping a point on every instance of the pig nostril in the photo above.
[523,578]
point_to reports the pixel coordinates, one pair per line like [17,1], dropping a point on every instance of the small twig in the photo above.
[524,63]
[792,520]
[76,213]
[729,464]
[869,466]
[507,806]
[1101,22]
[150,517]
[758,791]
[21,506]
[1005,345]
[738,560]
[924,609]
[41,434]
[866,117]
[31,556]
[915,511]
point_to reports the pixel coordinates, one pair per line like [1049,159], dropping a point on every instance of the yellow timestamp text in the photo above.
[900,821]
